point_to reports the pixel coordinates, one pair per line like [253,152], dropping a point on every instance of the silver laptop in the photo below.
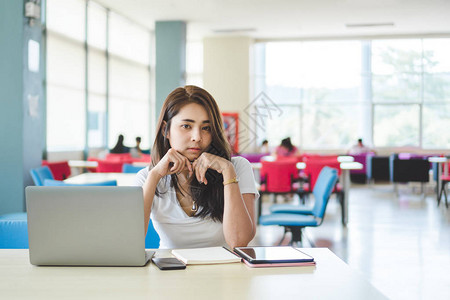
[86,226]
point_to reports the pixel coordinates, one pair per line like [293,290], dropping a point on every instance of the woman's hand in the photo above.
[171,163]
[210,161]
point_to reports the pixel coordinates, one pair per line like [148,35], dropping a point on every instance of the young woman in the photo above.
[286,149]
[194,192]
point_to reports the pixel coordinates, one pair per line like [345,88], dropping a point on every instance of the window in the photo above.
[391,93]
[85,102]
[66,75]
[194,63]
[317,84]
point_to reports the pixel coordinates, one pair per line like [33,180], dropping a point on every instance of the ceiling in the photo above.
[293,19]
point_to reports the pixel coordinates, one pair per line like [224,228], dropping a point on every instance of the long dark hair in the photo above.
[287,144]
[209,198]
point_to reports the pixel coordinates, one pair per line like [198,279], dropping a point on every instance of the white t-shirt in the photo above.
[175,228]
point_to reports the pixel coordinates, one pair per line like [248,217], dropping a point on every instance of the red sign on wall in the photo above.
[231,124]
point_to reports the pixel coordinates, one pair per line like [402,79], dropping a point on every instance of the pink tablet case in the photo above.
[303,264]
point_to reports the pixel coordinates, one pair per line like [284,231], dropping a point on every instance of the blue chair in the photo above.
[295,222]
[13,231]
[40,174]
[128,168]
[152,239]
[50,182]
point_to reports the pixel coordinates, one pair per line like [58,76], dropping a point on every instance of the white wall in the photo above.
[226,75]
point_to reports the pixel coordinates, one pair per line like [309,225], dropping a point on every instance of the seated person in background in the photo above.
[286,149]
[120,147]
[264,148]
[359,148]
[136,151]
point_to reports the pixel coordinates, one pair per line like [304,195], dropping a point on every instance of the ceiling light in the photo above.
[234,30]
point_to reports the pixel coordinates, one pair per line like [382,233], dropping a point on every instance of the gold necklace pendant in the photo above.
[194,207]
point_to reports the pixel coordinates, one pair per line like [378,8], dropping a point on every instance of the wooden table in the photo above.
[123,179]
[331,278]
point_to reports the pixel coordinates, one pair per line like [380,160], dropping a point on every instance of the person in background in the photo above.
[195,193]
[120,147]
[136,151]
[359,148]
[264,147]
[286,149]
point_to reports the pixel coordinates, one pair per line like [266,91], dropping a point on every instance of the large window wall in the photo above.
[98,77]
[392,93]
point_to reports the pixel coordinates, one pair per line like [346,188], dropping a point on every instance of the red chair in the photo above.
[312,171]
[105,166]
[143,158]
[123,157]
[278,177]
[60,169]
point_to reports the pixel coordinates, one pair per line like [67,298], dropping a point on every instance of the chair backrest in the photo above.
[152,238]
[50,182]
[322,190]
[40,174]
[109,166]
[407,170]
[60,169]
[362,159]
[128,168]
[314,167]
[123,157]
[278,175]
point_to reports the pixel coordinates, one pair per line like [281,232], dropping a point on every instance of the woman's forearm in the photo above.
[238,219]
[149,189]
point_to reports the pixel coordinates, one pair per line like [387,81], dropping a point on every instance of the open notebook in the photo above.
[204,256]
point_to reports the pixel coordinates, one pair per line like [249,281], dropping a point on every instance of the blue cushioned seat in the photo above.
[291,209]
[13,231]
[129,168]
[288,220]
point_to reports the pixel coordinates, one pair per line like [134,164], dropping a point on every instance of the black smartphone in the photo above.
[168,263]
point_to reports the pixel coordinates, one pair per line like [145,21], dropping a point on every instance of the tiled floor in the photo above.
[399,241]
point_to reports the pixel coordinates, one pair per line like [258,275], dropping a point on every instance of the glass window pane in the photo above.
[396,88]
[396,56]
[96,71]
[67,18]
[65,118]
[65,62]
[332,126]
[281,125]
[128,80]
[396,125]
[96,26]
[331,71]
[436,58]
[128,40]
[436,123]
[130,118]
[194,57]
[97,121]
[436,87]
